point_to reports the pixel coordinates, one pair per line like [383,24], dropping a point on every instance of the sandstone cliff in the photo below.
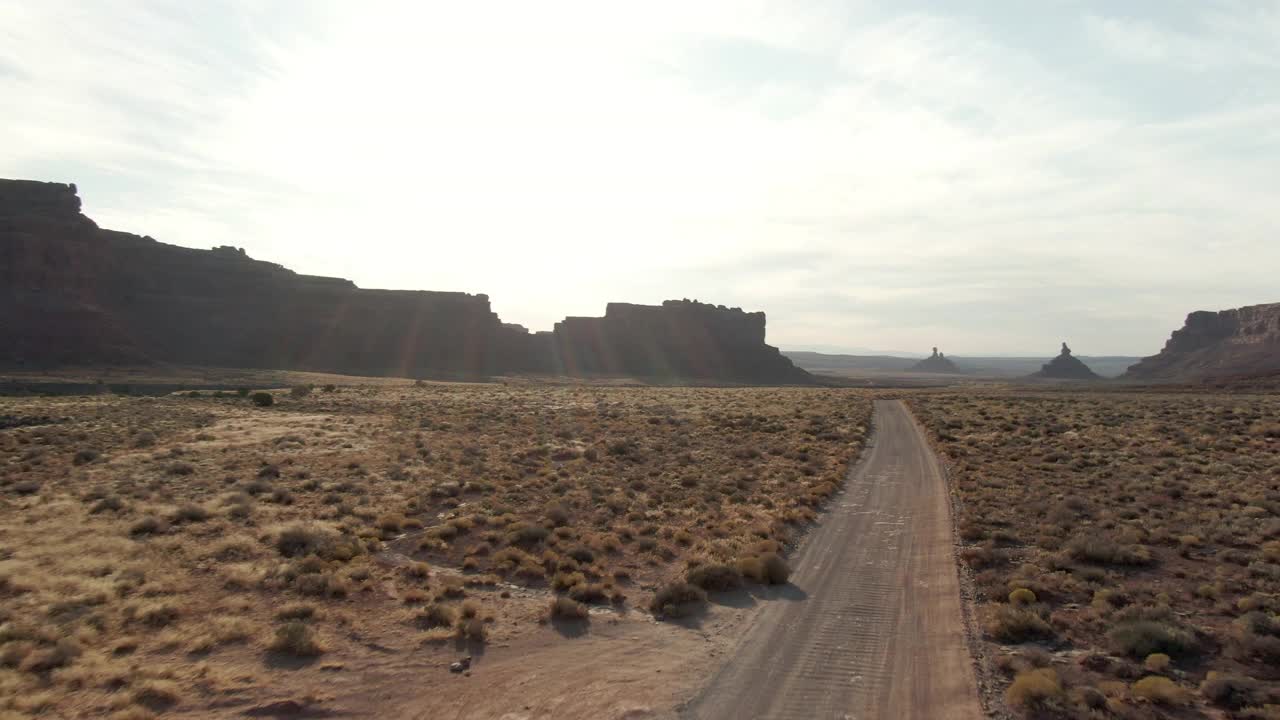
[71,293]
[1244,342]
[1066,367]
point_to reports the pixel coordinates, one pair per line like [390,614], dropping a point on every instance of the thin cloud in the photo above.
[870,177]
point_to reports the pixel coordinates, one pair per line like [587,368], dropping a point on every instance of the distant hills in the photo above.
[1107,366]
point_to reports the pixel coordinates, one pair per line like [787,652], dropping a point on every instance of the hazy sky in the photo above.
[889,175]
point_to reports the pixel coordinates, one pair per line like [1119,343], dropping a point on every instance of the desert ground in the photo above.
[1122,548]
[332,549]
[606,551]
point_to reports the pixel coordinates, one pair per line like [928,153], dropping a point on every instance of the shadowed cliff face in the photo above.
[1232,343]
[75,294]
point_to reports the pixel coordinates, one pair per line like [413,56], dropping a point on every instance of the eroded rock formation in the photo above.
[937,362]
[1066,367]
[1244,342]
[73,294]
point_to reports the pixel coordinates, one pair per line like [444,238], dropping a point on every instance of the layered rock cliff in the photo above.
[1244,342]
[680,338]
[71,293]
[1066,367]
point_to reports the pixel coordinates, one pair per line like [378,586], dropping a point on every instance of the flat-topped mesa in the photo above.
[1241,342]
[72,294]
[937,363]
[1066,367]
[680,338]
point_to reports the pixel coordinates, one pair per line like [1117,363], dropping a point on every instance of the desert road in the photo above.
[872,626]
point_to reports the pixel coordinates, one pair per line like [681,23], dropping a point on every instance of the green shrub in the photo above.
[263,399]
[1140,638]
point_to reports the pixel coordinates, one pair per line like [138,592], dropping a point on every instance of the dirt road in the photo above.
[873,628]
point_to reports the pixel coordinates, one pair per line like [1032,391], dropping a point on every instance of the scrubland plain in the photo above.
[185,554]
[1123,548]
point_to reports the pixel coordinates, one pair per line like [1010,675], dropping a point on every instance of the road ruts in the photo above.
[871,625]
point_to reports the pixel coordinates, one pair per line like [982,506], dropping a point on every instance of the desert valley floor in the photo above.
[601,551]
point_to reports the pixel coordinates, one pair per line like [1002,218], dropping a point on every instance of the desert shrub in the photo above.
[417,570]
[1156,662]
[263,399]
[472,629]
[296,611]
[300,539]
[85,456]
[1011,624]
[43,659]
[1105,551]
[1257,635]
[1160,690]
[1035,689]
[776,570]
[155,615]
[1022,597]
[582,554]
[526,534]
[296,638]
[435,615]
[1140,638]
[110,503]
[148,525]
[1231,691]
[563,608]
[330,387]
[677,599]
[157,695]
[300,391]
[190,512]
[566,580]
[715,577]
[589,593]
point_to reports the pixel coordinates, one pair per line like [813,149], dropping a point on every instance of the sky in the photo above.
[987,177]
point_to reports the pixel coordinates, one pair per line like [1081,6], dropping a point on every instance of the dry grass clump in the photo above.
[1035,690]
[1126,533]
[295,637]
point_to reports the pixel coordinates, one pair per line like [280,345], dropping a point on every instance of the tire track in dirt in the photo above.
[871,626]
